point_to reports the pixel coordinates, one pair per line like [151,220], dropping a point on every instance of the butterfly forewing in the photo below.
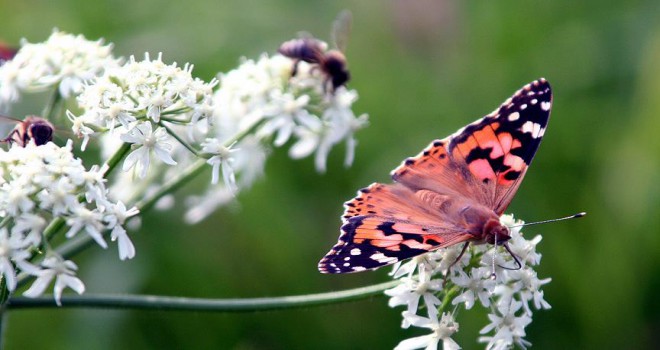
[486,160]
[445,194]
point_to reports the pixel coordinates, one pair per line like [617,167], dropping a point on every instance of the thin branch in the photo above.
[50,110]
[150,302]
[180,140]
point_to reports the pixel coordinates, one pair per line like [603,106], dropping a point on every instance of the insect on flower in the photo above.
[31,128]
[453,192]
[331,62]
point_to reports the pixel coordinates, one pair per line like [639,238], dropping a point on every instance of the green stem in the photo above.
[116,158]
[150,302]
[53,227]
[50,110]
[5,221]
[4,300]
[179,139]
[172,185]
[449,296]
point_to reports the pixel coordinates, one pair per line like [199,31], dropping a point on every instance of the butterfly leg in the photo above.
[515,258]
[465,246]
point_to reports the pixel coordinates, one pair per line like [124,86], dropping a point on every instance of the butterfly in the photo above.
[453,192]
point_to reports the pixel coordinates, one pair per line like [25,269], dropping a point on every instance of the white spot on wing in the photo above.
[545,106]
[359,268]
[534,101]
[532,128]
[356,251]
[382,258]
[514,116]
[523,106]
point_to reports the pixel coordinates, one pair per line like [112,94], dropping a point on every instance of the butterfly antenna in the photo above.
[574,216]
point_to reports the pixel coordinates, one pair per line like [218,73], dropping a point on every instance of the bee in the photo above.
[331,62]
[31,128]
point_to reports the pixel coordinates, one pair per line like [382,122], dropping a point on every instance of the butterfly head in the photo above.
[495,233]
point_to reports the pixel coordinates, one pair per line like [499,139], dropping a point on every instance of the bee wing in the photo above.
[319,46]
[8,119]
[341,30]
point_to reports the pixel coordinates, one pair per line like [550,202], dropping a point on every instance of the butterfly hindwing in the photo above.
[385,224]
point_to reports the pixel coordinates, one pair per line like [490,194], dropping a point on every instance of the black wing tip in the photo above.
[541,85]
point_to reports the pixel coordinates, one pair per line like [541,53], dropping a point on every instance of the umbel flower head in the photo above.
[264,92]
[263,98]
[131,100]
[509,298]
[64,60]
[38,184]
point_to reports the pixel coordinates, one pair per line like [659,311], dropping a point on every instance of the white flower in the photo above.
[64,273]
[118,216]
[64,59]
[476,285]
[509,328]
[148,141]
[528,285]
[79,128]
[298,106]
[31,226]
[125,94]
[13,249]
[442,330]
[412,289]
[90,221]
[125,245]
[57,185]
[222,155]
[509,296]
[247,163]
[281,116]
[249,160]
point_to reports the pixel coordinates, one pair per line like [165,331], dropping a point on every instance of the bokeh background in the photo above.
[423,68]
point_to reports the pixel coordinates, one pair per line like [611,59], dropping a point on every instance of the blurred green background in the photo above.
[423,68]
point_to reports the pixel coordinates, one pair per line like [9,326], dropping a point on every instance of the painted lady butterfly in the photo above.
[453,192]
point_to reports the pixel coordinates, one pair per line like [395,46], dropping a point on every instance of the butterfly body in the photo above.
[453,192]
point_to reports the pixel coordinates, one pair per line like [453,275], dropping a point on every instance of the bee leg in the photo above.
[10,138]
[294,71]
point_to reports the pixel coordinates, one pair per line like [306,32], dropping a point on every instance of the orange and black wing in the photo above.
[486,160]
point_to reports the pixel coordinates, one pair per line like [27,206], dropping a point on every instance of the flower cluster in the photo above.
[262,97]
[64,60]
[40,183]
[162,113]
[509,296]
[134,98]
